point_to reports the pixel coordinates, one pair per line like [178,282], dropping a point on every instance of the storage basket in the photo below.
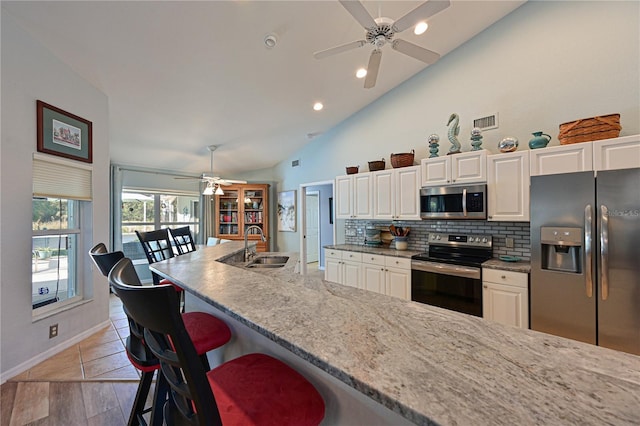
[590,129]
[376,165]
[352,170]
[402,160]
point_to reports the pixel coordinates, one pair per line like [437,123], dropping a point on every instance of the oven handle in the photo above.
[446,269]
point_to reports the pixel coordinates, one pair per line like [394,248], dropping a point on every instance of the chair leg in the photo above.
[159,399]
[141,397]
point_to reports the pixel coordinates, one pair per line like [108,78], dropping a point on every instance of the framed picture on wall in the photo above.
[287,211]
[64,134]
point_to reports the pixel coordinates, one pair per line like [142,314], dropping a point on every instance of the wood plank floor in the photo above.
[66,403]
[92,383]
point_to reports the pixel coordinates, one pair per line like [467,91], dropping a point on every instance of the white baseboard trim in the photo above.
[6,375]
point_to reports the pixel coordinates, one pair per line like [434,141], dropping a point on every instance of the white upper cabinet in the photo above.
[606,154]
[561,159]
[618,153]
[354,198]
[396,194]
[466,167]
[508,186]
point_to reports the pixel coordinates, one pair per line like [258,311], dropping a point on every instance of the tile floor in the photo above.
[100,357]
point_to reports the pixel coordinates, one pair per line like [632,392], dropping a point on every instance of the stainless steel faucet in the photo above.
[247,253]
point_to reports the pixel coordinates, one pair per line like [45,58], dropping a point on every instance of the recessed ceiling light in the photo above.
[420,28]
[361,73]
[318,106]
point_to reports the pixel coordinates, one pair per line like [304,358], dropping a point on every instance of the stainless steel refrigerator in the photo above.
[585,257]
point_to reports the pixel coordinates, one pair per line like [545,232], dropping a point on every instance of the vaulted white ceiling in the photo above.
[182,75]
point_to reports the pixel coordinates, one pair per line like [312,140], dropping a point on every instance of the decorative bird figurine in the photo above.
[452,134]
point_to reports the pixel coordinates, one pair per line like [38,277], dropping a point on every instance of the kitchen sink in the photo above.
[268,262]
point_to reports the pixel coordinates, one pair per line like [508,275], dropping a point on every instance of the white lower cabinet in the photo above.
[505,297]
[343,267]
[388,275]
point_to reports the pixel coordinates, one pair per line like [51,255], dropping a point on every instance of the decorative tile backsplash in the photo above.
[418,237]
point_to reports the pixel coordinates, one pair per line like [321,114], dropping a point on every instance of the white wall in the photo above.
[31,72]
[544,64]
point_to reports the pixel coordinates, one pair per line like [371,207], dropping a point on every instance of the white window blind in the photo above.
[61,179]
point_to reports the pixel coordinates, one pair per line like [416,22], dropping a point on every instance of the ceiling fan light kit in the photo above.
[213,182]
[381,31]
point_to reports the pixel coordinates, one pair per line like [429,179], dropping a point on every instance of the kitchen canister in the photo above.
[401,242]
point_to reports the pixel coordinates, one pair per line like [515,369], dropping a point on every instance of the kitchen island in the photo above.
[428,365]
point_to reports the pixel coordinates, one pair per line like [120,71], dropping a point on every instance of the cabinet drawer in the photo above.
[517,279]
[374,259]
[334,254]
[397,262]
[352,256]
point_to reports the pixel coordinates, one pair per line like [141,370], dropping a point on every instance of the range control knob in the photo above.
[470,239]
[484,240]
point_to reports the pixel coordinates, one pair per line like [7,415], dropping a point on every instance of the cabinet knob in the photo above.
[504,277]
[485,286]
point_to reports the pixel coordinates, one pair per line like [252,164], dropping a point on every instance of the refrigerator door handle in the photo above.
[587,251]
[604,251]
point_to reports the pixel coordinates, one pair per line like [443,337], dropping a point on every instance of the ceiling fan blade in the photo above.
[357,10]
[229,181]
[372,69]
[420,13]
[415,51]
[339,49]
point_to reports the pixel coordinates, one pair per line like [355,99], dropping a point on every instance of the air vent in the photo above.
[487,122]
[295,163]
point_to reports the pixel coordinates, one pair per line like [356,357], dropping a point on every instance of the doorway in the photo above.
[316,225]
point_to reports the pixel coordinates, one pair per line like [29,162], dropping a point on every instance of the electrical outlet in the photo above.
[350,232]
[509,242]
[53,331]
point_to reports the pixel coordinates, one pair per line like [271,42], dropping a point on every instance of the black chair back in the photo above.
[157,246]
[183,240]
[156,309]
[104,260]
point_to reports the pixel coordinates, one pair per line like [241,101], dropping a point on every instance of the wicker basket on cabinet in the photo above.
[590,129]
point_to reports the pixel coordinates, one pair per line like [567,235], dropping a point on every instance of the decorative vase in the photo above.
[540,140]
[433,145]
[508,144]
[476,139]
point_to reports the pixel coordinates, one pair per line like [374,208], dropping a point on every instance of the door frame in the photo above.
[302,202]
[317,195]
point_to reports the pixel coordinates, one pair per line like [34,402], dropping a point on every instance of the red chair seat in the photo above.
[257,389]
[175,286]
[206,331]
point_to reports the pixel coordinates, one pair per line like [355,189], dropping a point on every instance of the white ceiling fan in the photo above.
[381,31]
[214,183]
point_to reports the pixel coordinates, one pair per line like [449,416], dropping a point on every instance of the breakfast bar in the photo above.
[423,364]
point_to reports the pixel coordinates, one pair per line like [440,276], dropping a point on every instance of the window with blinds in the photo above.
[61,190]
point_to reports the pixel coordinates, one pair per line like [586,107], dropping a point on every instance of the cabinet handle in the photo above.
[504,277]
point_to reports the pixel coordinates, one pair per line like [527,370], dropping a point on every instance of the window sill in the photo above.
[51,310]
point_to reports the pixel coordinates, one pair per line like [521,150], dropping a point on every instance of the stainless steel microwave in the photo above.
[454,202]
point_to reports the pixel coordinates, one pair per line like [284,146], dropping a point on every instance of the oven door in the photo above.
[454,287]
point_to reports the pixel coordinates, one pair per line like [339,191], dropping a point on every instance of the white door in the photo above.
[313,227]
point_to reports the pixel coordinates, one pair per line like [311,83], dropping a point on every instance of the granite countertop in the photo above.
[428,364]
[361,248]
[519,266]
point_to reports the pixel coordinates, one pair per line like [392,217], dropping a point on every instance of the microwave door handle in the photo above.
[604,251]
[464,202]
[587,250]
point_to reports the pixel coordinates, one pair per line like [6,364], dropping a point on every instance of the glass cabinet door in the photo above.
[253,210]
[228,213]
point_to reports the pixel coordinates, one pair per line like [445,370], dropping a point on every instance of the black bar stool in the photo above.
[254,389]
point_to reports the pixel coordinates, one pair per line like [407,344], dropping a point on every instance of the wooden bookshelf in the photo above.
[240,207]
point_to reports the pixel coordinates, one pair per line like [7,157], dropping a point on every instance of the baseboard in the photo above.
[19,369]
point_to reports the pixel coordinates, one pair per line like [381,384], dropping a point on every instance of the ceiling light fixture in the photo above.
[318,106]
[219,190]
[420,28]
[208,190]
[361,73]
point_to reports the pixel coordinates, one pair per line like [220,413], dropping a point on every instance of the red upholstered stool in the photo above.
[254,389]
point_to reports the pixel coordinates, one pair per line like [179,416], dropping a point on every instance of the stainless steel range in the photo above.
[449,275]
